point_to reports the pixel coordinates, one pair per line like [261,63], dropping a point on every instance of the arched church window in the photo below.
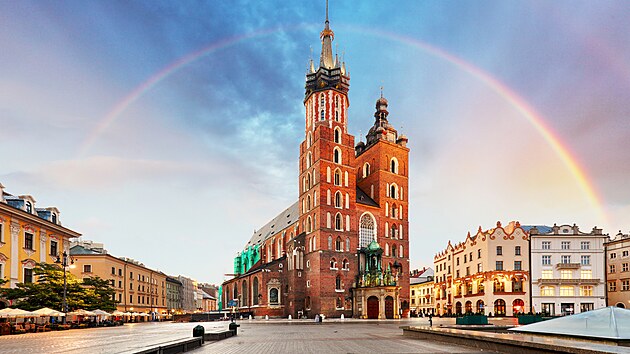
[366,170]
[338,285]
[333,263]
[338,222]
[338,200]
[337,135]
[322,115]
[329,242]
[393,165]
[338,244]
[345,264]
[337,177]
[393,191]
[309,140]
[337,155]
[366,230]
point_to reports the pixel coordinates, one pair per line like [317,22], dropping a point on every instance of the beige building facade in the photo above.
[422,299]
[618,268]
[28,235]
[138,288]
[486,273]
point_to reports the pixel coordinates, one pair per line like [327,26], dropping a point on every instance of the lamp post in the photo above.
[63,261]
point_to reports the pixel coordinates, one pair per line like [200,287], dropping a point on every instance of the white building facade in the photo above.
[567,269]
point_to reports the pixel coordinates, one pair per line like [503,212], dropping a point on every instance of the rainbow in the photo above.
[517,102]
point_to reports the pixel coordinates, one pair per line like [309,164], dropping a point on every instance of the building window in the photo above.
[625,285]
[345,265]
[338,200]
[479,268]
[29,207]
[333,264]
[478,254]
[586,290]
[613,255]
[329,242]
[28,275]
[338,283]
[587,306]
[113,272]
[337,177]
[28,241]
[566,291]
[611,268]
[499,265]
[566,274]
[547,291]
[499,250]
[546,260]
[366,170]
[565,245]
[585,260]
[517,265]
[586,274]
[337,155]
[366,230]
[547,274]
[585,245]
[337,136]
[87,268]
[624,267]
[624,254]
[338,244]
[393,168]
[54,218]
[546,245]
[338,222]
[565,259]
[548,309]
[393,193]
[612,286]
[517,250]
[53,248]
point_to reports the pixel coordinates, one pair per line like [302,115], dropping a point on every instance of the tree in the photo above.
[99,294]
[48,291]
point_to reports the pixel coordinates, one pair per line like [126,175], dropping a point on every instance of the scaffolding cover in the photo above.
[609,322]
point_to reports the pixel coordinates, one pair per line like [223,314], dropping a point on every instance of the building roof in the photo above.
[543,229]
[80,250]
[363,198]
[287,217]
[173,280]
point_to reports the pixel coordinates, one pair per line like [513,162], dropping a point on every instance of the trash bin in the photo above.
[198,331]
[234,327]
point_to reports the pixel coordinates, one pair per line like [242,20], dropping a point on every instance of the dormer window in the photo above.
[54,218]
[29,207]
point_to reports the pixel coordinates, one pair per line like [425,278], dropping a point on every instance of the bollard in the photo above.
[290,318]
[342,316]
[198,331]
[266,317]
[250,317]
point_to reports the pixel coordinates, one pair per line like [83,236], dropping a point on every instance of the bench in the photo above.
[217,335]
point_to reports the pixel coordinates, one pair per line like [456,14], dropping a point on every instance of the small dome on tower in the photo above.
[382,101]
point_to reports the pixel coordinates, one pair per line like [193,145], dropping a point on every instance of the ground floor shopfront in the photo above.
[377,303]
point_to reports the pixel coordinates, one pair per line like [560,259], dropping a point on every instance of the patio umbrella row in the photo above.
[46,312]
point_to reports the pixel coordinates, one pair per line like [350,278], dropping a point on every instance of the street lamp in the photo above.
[63,261]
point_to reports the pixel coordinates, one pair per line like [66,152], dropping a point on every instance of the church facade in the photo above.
[343,247]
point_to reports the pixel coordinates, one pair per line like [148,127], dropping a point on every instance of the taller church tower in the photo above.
[327,186]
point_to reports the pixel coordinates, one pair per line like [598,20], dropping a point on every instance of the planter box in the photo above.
[527,319]
[472,320]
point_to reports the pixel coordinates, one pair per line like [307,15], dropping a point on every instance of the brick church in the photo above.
[343,247]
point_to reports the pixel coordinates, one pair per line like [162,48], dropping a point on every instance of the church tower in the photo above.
[327,186]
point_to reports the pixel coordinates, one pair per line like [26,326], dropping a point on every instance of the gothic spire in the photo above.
[327,36]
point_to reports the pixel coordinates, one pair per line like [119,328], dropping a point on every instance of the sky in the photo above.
[170,130]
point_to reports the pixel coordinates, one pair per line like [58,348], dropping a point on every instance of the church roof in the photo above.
[608,322]
[363,198]
[287,217]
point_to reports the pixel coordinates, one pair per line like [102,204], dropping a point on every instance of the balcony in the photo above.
[570,281]
[568,266]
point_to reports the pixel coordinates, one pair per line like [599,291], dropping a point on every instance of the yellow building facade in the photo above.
[422,299]
[138,288]
[28,235]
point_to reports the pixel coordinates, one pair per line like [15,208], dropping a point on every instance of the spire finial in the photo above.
[326,11]
[381,91]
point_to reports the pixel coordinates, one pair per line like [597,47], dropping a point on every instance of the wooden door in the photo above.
[389,307]
[372,307]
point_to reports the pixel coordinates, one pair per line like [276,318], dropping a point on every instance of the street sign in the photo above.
[231,303]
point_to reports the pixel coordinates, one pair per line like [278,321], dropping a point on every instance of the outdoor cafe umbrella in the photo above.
[18,313]
[81,312]
[118,313]
[101,313]
[47,312]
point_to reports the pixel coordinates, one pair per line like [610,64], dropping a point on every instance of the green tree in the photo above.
[47,291]
[99,294]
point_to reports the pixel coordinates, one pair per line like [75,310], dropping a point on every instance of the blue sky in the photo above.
[185,173]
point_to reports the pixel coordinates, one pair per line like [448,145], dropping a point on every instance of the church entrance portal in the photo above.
[372,307]
[389,307]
